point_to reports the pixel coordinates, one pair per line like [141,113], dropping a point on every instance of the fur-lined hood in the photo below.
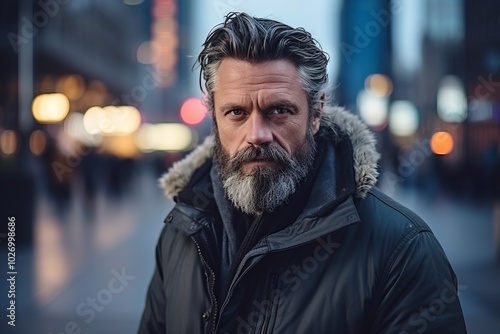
[362,139]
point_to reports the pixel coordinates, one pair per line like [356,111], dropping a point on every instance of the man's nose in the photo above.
[258,130]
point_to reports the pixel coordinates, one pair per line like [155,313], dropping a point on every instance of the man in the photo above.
[277,226]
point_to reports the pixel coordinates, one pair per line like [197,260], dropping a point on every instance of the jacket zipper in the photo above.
[238,274]
[242,270]
[269,311]
[212,286]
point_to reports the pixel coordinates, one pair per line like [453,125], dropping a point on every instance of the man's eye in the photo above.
[279,111]
[235,112]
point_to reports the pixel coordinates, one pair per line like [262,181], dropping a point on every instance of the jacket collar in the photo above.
[365,155]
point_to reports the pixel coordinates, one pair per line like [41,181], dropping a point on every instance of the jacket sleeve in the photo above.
[153,317]
[419,291]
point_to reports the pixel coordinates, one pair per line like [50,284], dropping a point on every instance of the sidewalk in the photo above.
[89,271]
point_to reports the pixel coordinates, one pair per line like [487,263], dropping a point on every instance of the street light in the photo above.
[50,108]
[164,137]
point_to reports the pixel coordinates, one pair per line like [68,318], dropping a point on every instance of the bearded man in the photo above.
[277,226]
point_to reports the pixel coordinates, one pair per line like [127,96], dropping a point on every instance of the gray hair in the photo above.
[247,38]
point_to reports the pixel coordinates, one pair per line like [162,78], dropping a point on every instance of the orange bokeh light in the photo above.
[442,143]
[193,111]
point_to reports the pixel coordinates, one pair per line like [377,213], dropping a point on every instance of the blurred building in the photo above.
[365,47]
[9,62]
[92,38]
[425,76]
[437,89]
[482,79]
[59,59]
[90,82]
[83,49]
[458,93]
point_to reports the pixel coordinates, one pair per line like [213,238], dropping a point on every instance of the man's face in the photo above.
[264,136]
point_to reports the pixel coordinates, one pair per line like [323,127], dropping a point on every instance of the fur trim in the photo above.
[363,143]
[362,139]
[181,171]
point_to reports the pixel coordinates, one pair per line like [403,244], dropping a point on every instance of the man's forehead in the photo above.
[234,73]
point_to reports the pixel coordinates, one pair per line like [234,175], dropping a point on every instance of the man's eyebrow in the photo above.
[269,105]
[282,104]
[230,106]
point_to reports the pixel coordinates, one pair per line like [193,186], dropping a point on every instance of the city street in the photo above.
[99,98]
[91,262]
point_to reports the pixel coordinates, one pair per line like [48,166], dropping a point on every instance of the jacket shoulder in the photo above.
[413,272]
[390,230]
[383,212]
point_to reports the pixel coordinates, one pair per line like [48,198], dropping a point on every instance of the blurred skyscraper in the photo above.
[482,80]
[365,47]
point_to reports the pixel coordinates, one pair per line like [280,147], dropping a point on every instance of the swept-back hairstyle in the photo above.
[244,37]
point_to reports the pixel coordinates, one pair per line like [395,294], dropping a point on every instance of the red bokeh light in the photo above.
[193,111]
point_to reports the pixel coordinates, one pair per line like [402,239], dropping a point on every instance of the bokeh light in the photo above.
[92,119]
[38,142]
[148,52]
[442,143]
[193,111]
[9,142]
[379,85]
[373,109]
[451,100]
[50,108]
[403,118]
[165,32]
[73,86]
[164,137]
[123,146]
[112,120]
[75,129]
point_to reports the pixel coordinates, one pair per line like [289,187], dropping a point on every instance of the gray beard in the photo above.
[265,188]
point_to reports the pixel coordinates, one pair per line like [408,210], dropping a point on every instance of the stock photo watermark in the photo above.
[364,35]
[486,88]
[30,27]
[411,157]
[430,312]
[71,161]
[87,310]
[289,281]
[11,271]
[137,94]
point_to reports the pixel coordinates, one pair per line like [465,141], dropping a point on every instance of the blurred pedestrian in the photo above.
[277,226]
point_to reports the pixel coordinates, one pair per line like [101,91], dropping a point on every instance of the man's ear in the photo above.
[317,118]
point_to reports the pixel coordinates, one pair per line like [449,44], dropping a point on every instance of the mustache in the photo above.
[270,152]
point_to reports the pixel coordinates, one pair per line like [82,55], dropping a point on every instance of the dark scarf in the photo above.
[241,232]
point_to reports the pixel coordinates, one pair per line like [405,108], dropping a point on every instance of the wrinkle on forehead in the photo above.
[273,71]
[265,83]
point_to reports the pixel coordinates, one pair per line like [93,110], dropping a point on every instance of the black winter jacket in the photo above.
[354,261]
